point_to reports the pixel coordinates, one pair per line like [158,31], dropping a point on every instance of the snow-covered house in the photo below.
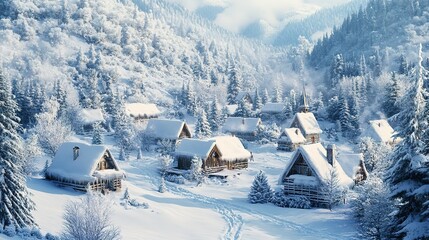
[309,171]
[307,123]
[381,131]
[80,165]
[272,108]
[354,166]
[232,152]
[206,150]
[244,95]
[142,111]
[290,139]
[165,129]
[244,128]
[87,117]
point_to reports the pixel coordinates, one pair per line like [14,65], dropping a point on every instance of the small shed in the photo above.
[80,165]
[206,150]
[166,129]
[244,128]
[354,166]
[290,139]
[88,117]
[309,170]
[381,131]
[308,125]
[244,95]
[232,152]
[272,110]
[142,111]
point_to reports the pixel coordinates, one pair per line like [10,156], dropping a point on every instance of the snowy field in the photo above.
[214,210]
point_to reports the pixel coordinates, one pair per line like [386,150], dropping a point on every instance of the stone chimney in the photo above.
[330,154]
[75,153]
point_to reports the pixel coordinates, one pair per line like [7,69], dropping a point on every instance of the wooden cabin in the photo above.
[244,95]
[166,129]
[244,128]
[142,111]
[88,117]
[308,125]
[308,171]
[290,139]
[80,165]
[382,132]
[206,150]
[232,152]
[354,166]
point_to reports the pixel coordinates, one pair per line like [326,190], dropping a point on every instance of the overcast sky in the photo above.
[239,13]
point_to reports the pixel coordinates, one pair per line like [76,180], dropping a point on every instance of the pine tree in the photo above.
[139,154]
[162,186]
[15,204]
[191,101]
[354,116]
[196,170]
[97,138]
[408,175]
[61,96]
[403,65]
[333,108]
[257,102]
[202,127]
[122,154]
[260,192]
[244,109]
[337,70]
[344,116]
[392,95]
[293,102]
[234,87]
[265,97]
[331,188]
[126,195]
[277,98]
[45,168]
[215,116]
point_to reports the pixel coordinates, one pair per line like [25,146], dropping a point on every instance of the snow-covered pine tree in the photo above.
[215,116]
[162,186]
[337,70]
[293,102]
[277,96]
[196,169]
[260,191]
[126,195]
[97,138]
[408,176]
[374,155]
[191,101]
[257,102]
[331,188]
[45,168]
[234,86]
[15,204]
[403,65]
[392,95]
[244,109]
[355,130]
[122,154]
[265,96]
[139,153]
[202,126]
[61,96]
[344,116]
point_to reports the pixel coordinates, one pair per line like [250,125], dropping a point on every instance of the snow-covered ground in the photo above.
[214,210]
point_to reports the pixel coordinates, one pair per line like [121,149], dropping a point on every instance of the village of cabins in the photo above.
[83,166]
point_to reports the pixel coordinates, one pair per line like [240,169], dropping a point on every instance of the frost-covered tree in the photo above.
[202,126]
[244,109]
[89,218]
[139,153]
[374,155]
[162,186]
[196,169]
[260,191]
[277,95]
[332,189]
[257,102]
[403,65]
[15,203]
[31,151]
[344,116]
[265,96]
[234,86]
[215,116]
[337,70]
[165,163]
[392,95]
[97,138]
[373,209]
[408,175]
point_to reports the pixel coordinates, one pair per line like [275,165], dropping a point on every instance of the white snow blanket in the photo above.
[195,147]
[89,116]
[241,125]
[231,148]
[164,128]
[308,122]
[292,135]
[83,168]
[350,163]
[142,110]
[381,131]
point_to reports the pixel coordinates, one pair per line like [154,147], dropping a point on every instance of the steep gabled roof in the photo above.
[83,168]
[241,125]
[293,135]
[350,163]
[243,94]
[273,108]
[90,116]
[232,108]
[195,147]
[315,157]
[231,148]
[165,128]
[141,110]
[308,123]
[381,131]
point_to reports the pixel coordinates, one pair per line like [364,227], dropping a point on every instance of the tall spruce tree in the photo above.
[408,175]
[234,87]
[244,109]
[265,96]
[392,95]
[215,116]
[202,127]
[257,102]
[260,192]
[15,204]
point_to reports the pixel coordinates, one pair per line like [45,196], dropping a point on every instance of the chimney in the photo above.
[75,153]
[330,154]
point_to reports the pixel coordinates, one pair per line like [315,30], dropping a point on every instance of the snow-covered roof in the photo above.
[165,128]
[316,157]
[83,168]
[273,108]
[242,94]
[142,110]
[293,135]
[381,131]
[90,116]
[241,125]
[231,108]
[308,123]
[195,147]
[231,148]
[350,163]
